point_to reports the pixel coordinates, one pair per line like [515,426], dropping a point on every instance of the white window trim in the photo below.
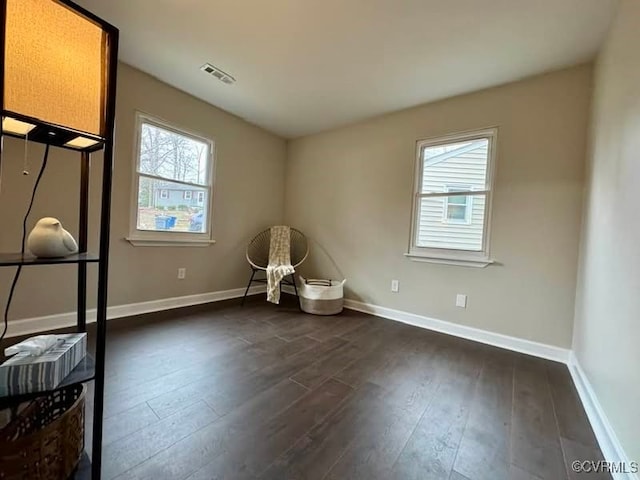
[150,238]
[187,195]
[466,258]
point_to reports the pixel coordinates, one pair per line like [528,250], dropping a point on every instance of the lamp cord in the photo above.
[24,238]
[25,163]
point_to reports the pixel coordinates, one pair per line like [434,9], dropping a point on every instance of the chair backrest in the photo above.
[258,249]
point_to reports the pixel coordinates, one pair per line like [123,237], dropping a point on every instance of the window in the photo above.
[171,165]
[457,208]
[452,199]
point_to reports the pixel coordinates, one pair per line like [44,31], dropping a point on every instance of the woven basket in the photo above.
[321,297]
[46,440]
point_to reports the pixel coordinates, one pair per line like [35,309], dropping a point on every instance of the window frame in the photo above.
[189,196]
[470,258]
[152,238]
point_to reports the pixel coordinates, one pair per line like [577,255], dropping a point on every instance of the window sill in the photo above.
[459,261]
[168,242]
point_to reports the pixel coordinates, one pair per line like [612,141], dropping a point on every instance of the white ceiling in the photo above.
[308,65]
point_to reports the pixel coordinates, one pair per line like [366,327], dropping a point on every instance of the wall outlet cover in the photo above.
[461,300]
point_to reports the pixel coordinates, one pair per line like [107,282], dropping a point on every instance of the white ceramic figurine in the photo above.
[49,240]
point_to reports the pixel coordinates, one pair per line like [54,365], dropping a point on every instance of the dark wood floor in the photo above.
[267,392]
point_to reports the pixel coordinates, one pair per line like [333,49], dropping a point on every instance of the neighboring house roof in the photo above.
[454,153]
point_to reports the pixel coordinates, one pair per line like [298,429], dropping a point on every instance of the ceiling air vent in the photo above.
[219,74]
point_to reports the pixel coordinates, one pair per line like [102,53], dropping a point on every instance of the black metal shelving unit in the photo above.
[91,368]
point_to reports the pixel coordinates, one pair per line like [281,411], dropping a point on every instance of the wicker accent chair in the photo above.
[258,256]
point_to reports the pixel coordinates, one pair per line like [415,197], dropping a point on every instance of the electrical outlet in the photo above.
[395,286]
[461,300]
[182,273]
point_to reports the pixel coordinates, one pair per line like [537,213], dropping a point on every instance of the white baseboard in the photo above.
[607,438]
[529,347]
[62,320]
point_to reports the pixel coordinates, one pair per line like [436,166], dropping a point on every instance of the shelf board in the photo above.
[15,259]
[85,371]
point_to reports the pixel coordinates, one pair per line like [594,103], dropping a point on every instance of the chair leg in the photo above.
[295,289]
[253,273]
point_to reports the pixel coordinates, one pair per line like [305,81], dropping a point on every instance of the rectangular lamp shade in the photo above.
[55,66]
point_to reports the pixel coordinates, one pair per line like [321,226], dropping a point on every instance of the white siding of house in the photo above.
[467,169]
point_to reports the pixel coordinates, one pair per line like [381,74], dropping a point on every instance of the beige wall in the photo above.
[350,190]
[607,324]
[248,196]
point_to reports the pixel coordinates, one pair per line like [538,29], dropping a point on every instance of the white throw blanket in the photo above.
[279,261]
